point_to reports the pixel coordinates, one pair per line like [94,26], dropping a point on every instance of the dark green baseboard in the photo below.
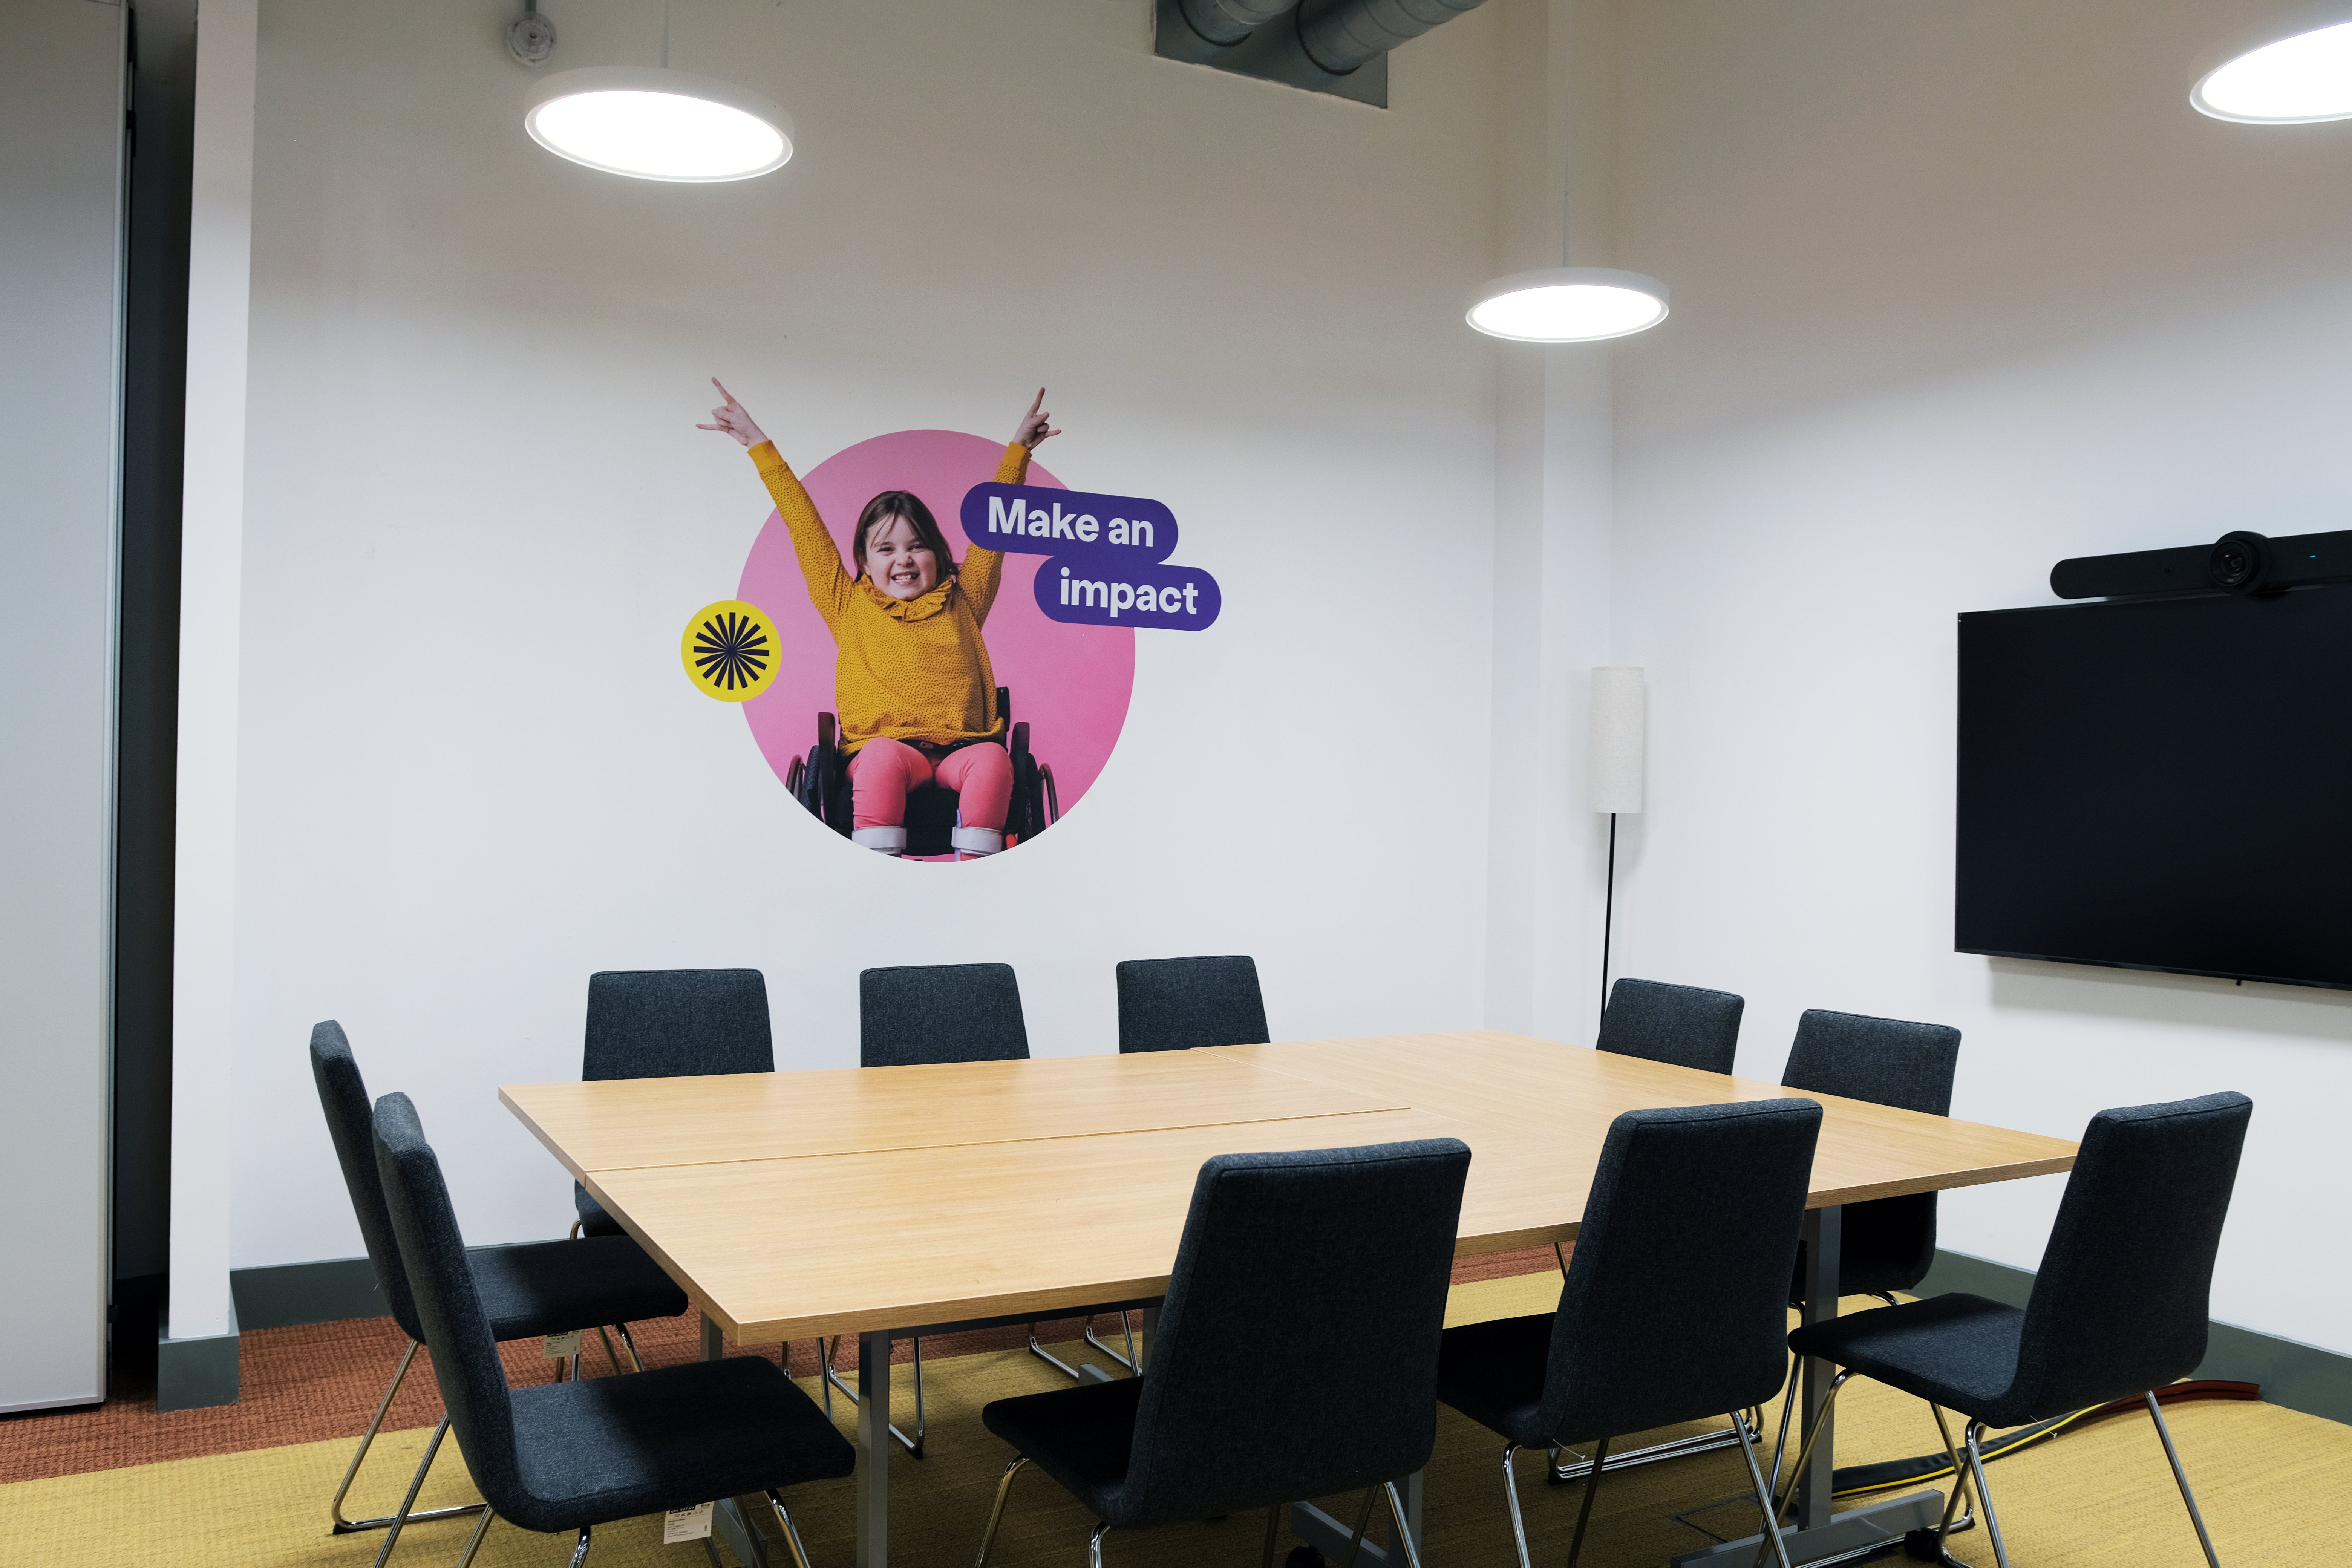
[289,1294]
[193,1373]
[2296,1375]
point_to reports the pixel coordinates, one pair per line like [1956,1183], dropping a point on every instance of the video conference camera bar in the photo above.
[2237,562]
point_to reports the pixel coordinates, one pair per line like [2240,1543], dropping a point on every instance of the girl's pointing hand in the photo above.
[733,419]
[1035,424]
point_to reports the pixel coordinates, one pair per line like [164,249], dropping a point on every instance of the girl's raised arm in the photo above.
[828,583]
[983,568]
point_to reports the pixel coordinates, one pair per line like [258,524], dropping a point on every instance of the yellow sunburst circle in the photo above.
[731,651]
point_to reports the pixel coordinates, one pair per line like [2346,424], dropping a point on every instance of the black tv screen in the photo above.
[2161,784]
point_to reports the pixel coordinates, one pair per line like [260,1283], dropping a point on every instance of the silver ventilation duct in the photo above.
[1228,22]
[1340,35]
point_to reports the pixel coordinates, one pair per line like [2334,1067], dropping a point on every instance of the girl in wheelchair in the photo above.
[911,676]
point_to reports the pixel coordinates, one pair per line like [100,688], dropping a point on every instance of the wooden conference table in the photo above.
[891,1201]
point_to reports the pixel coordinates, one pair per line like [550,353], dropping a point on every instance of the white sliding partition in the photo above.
[61,183]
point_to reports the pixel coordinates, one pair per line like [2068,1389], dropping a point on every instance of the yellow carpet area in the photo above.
[2272,1484]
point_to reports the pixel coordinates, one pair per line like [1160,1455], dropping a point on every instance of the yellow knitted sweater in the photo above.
[912,669]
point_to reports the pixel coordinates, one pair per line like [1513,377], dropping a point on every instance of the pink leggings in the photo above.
[884,770]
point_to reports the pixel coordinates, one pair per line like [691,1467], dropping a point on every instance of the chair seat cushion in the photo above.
[1957,1351]
[614,1448]
[593,1220]
[1082,1436]
[552,1286]
[1493,1373]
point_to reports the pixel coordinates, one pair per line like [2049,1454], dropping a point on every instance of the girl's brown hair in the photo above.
[909,505]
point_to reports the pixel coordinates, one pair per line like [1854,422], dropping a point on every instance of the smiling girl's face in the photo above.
[900,564]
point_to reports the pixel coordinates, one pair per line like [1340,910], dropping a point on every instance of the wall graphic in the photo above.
[1079,573]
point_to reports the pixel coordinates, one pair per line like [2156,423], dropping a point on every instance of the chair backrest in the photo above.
[1890,1243]
[342,1095]
[465,1357]
[1676,1305]
[940,1013]
[2120,1304]
[1297,1352]
[1684,1025]
[1179,1003]
[1884,1061]
[677,1022]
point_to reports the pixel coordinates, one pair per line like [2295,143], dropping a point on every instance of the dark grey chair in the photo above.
[929,1013]
[1181,1003]
[1887,1243]
[1232,1418]
[2119,1306]
[1681,1025]
[670,1023]
[572,1455]
[1676,1305]
[921,1014]
[524,1292]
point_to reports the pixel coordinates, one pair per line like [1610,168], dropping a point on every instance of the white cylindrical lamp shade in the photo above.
[1617,736]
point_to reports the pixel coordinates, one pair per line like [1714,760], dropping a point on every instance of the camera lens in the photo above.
[2235,563]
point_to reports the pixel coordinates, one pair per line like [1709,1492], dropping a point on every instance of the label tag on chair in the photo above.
[686,1524]
[558,1346]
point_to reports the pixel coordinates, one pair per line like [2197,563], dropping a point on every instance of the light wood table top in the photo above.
[1512,1086]
[792,1204]
[616,1122]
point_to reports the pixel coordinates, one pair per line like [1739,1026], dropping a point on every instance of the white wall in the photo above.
[470,769]
[1959,290]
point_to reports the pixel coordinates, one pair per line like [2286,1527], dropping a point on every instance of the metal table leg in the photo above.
[1816,1536]
[727,1520]
[873,1450]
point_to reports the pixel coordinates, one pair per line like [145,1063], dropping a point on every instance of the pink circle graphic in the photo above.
[1070,684]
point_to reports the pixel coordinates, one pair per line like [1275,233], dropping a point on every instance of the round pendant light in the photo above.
[2292,70]
[654,123]
[1569,305]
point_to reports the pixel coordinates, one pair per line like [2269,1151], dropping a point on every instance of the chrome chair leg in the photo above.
[579,1553]
[474,1542]
[1584,1513]
[1796,1476]
[1952,1525]
[1093,1545]
[636,1362]
[996,1511]
[1273,1531]
[1363,1523]
[1511,1500]
[415,1485]
[1975,1438]
[791,1534]
[1764,1495]
[2179,1476]
[612,1356]
[1787,1409]
[335,1509]
[833,1380]
[1404,1531]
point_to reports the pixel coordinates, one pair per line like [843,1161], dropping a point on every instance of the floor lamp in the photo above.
[1615,736]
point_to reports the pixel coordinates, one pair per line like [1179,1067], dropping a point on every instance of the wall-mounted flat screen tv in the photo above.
[2160,784]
